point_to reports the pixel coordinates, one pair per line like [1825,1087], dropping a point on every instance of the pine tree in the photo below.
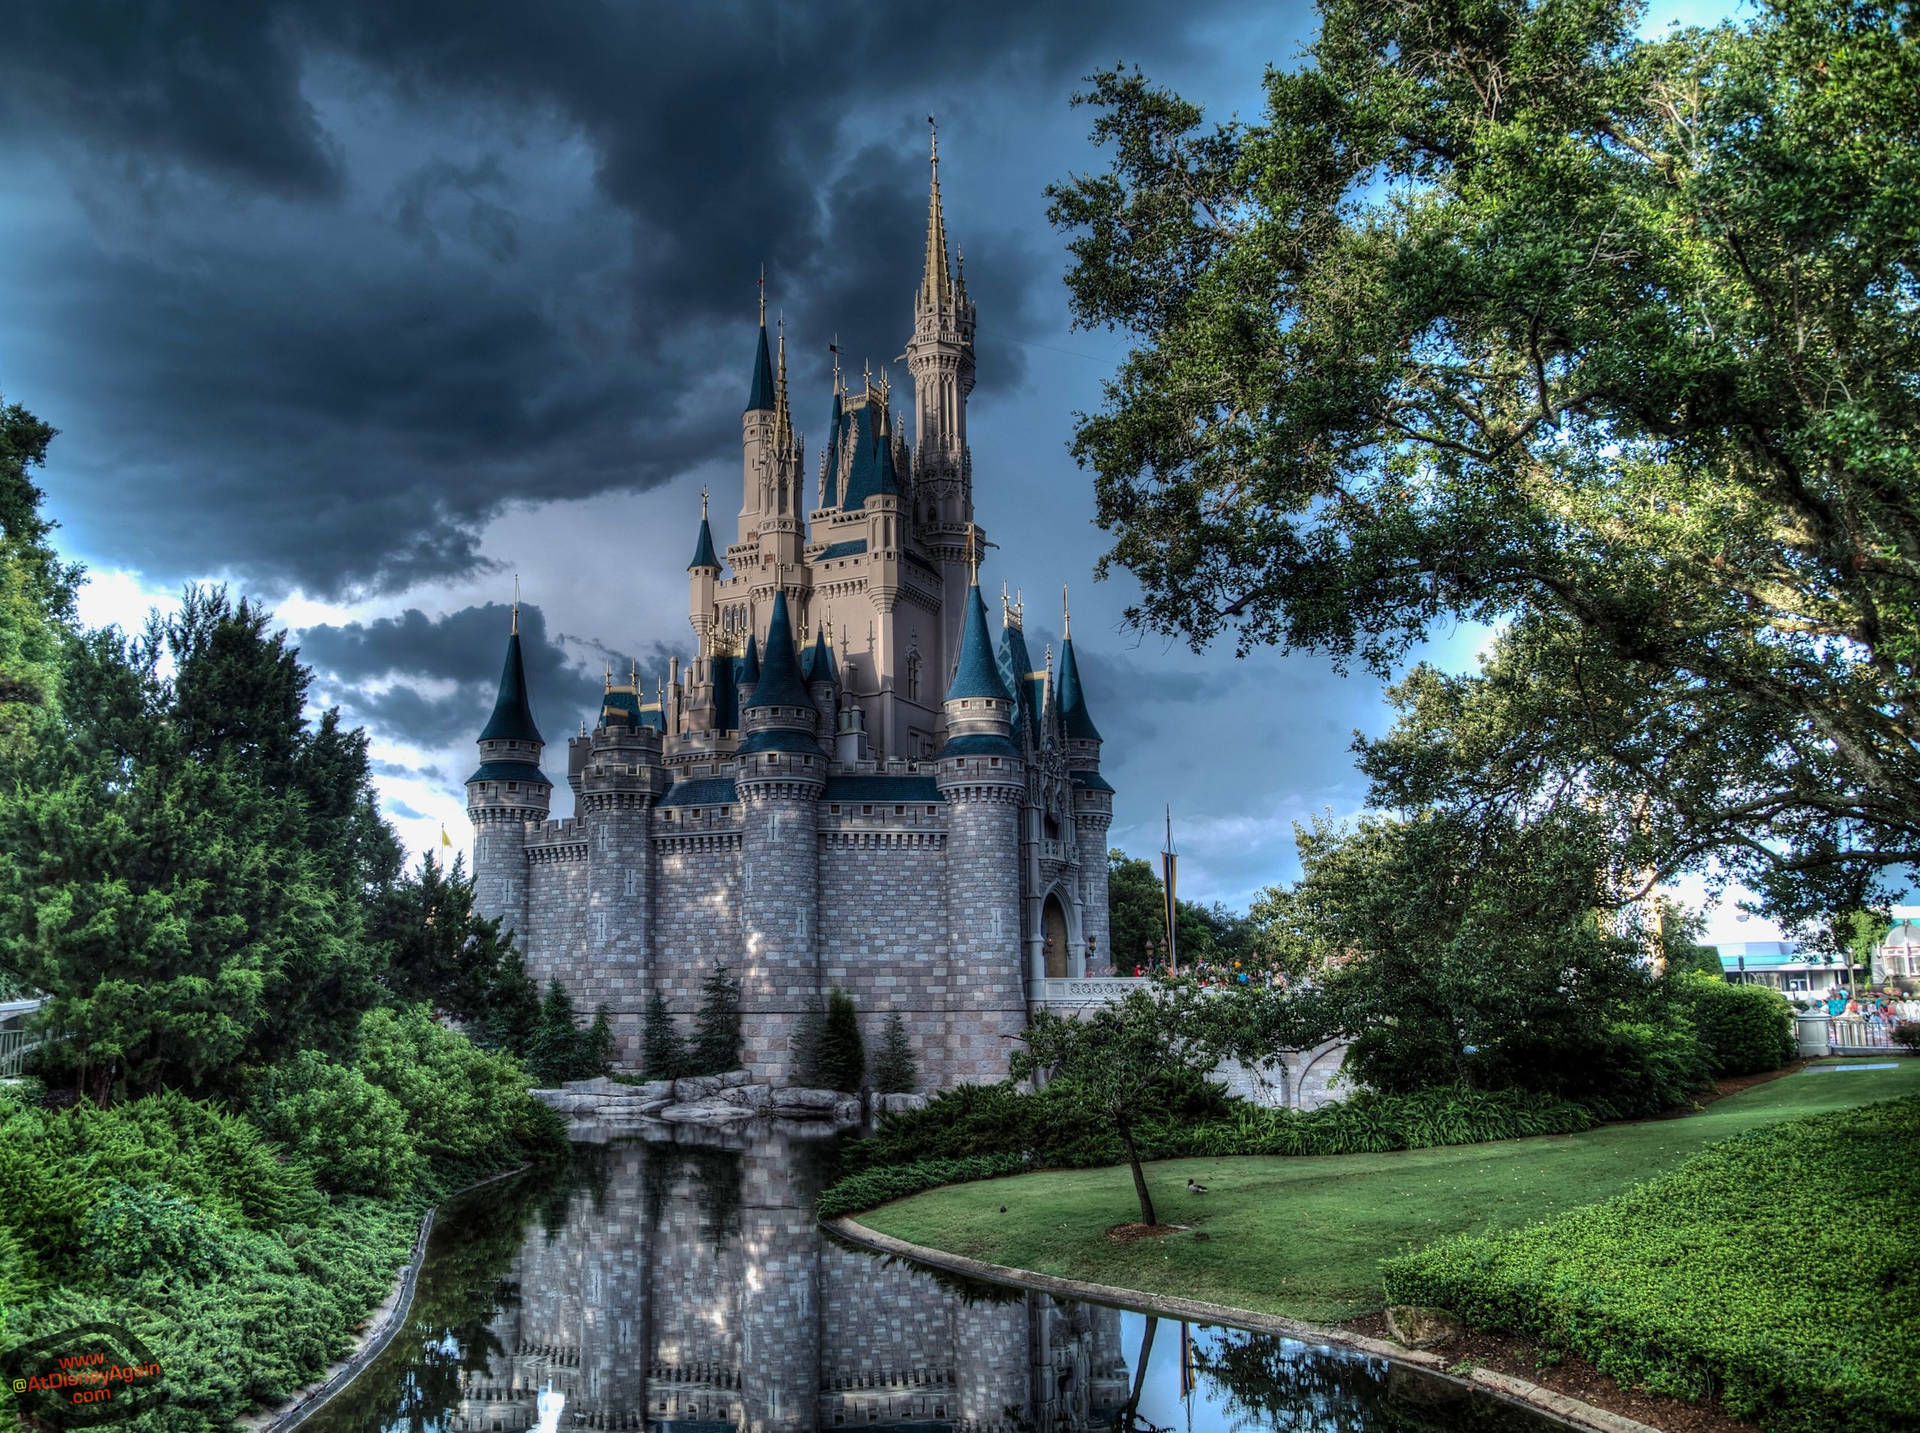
[552,1054]
[716,1040]
[808,1032]
[663,1054]
[894,1072]
[843,1061]
[595,1054]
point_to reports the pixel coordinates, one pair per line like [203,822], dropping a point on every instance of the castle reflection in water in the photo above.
[687,1289]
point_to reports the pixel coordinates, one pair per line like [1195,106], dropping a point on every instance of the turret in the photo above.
[983,781]
[505,792]
[703,574]
[1092,800]
[779,778]
[757,434]
[748,672]
[823,683]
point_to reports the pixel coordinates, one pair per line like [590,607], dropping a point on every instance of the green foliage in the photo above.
[843,1059]
[881,1186]
[136,1230]
[187,873]
[560,1050]
[894,1072]
[1458,951]
[596,1043]
[461,1102]
[1137,920]
[716,1033]
[1743,1029]
[438,950]
[1503,312]
[351,1132]
[663,1055]
[36,597]
[1773,1270]
[1907,1036]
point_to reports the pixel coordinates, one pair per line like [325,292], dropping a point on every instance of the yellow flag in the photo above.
[445,839]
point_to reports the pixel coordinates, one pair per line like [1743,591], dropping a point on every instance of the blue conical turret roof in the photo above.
[512,718]
[750,664]
[978,675]
[817,664]
[1073,701]
[780,684]
[761,398]
[703,547]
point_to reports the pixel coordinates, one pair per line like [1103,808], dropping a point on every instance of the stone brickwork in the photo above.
[779,911]
[986,983]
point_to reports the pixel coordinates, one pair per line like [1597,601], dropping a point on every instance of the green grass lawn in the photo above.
[1304,1236]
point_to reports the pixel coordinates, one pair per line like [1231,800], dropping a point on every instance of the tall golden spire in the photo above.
[936,284]
[1066,616]
[514,629]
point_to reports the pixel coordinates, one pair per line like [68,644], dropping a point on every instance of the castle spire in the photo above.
[760,398]
[703,545]
[976,674]
[1073,699]
[512,718]
[936,283]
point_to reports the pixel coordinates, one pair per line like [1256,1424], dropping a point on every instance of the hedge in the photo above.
[955,1132]
[1777,1269]
[1742,1029]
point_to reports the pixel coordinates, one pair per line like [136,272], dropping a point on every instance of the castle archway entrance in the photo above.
[1053,925]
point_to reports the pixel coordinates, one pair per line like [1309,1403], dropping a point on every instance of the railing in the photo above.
[1087,989]
[1857,1032]
[17,1042]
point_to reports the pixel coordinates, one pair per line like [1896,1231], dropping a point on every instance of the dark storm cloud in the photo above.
[377,670]
[338,306]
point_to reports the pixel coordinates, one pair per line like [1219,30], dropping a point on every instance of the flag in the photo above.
[445,839]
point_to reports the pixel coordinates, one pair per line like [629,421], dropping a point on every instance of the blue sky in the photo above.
[364,310]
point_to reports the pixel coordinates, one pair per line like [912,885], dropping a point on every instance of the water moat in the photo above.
[685,1288]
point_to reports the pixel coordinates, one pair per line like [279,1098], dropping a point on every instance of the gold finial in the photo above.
[973,556]
[763,296]
[609,676]
[834,349]
[1066,616]
[1006,607]
[703,504]
[633,675]
[514,629]
[933,140]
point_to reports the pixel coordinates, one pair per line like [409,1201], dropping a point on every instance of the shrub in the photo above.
[1907,1035]
[596,1045]
[663,1055]
[460,1101]
[349,1130]
[894,1072]
[554,1054]
[716,1034]
[1743,1029]
[1762,1270]
[875,1187]
[843,1059]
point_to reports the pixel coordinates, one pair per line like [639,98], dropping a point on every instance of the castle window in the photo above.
[513,786]
[833,810]
[899,810]
[769,759]
[866,811]
[929,811]
[993,761]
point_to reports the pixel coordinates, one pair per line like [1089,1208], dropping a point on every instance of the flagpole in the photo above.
[1169,868]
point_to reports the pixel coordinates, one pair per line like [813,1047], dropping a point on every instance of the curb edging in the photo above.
[1572,1411]
[399,1303]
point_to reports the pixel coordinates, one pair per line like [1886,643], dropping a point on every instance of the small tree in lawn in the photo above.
[843,1059]
[894,1072]
[716,1039]
[1105,1061]
[663,1054]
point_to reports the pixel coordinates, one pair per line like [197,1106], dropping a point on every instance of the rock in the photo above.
[753,1097]
[705,1112]
[660,1090]
[797,1100]
[598,1085]
[1418,1327]
[848,1110]
[696,1087]
[734,1078]
[897,1104]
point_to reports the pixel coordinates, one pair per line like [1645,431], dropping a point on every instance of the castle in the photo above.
[851,784]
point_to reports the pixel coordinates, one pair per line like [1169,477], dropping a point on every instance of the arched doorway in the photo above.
[1053,925]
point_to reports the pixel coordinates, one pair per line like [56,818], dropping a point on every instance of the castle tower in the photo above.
[703,573]
[507,791]
[1092,803]
[620,779]
[940,358]
[757,436]
[781,774]
[984,781]
[823,683]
